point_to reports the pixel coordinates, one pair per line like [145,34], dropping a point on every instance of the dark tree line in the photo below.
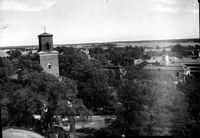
[184,51]
[118,56]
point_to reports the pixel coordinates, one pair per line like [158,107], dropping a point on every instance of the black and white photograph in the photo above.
[99,68]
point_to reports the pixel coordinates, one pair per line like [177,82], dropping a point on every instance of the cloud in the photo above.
[175,6]
[163,8]
[26,5]
[194,11]
[168,6]
[169,2]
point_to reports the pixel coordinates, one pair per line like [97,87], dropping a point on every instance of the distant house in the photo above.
[25,52]
[156,59]
[154,49]
[138,61]
[3,53]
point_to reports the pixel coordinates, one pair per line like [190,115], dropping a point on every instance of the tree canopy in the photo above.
[38,93]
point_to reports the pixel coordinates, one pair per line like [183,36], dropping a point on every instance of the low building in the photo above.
[138,61]
[191,66]
[172,71]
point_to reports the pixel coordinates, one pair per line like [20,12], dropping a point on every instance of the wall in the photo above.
[53,60]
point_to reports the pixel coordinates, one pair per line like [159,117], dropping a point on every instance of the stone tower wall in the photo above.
[50,59]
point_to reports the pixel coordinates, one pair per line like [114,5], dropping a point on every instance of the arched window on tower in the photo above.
[47,46]
[49,65]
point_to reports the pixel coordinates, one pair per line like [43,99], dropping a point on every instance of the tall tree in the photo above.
[14,54]
[90,77]
[133,96]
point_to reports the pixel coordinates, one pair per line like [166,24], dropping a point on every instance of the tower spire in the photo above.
[44,29]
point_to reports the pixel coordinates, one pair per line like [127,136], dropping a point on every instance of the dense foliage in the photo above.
[124,56]
[90,78]
[189,127]
[31,92]
[183,51]
[105,83]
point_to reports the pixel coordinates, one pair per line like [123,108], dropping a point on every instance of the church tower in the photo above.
[48,56]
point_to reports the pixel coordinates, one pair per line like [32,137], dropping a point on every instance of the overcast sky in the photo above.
[81,21]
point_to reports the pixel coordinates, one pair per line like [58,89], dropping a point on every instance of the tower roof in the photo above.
[45,34]
[48,52]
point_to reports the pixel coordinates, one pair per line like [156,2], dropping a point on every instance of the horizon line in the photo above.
[122,41]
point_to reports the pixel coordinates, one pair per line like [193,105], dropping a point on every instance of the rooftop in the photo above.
[45,34]
[190,61]
[48,52]
[171,67]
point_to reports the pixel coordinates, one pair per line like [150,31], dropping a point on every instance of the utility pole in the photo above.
[199,18]
[1,134]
